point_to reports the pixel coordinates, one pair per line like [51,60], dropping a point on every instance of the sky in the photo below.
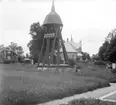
[87,20]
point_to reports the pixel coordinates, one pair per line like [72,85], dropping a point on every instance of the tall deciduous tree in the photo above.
[102,50]
[37,34]
[108,49]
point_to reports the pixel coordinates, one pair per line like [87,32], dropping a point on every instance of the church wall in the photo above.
[71,55]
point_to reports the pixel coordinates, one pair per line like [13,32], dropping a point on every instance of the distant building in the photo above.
[8,55]
[73,49]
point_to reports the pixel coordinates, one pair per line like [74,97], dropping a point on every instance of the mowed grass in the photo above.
[25,85]
[89,69]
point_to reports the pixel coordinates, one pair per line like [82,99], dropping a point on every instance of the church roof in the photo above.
[7,48]
[76,46]
[53,17]
[71,46]
[68,48]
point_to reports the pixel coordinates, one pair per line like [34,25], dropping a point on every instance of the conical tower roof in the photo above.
[53,17]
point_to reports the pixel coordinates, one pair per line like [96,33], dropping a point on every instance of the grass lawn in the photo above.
[24,85]
[89,69]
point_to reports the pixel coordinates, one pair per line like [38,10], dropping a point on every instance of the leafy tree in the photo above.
[95,57]
[37,34]
[16,48]
[102,50]
[110,53]
[85,56]
[108,49]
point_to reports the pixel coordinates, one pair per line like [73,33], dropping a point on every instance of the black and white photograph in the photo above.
[57,52]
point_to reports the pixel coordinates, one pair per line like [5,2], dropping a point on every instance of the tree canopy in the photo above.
[85,56]
[35,44]
[107,51]
[102,50]
[15,47]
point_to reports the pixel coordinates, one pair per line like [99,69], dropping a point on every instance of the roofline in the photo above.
[10,49]
[53,13]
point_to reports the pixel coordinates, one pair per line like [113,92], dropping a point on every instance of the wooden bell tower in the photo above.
[52,42]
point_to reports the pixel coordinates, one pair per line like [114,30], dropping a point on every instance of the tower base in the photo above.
[53,65]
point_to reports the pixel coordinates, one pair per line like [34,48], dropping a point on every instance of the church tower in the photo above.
[52,42]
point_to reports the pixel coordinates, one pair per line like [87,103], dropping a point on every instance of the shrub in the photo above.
[8,61]
[84,61]
[112,78]
[113,70]
[99,63]
[72,62]
[78,66]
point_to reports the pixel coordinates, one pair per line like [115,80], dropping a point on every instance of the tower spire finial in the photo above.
[71,38]
[53,7]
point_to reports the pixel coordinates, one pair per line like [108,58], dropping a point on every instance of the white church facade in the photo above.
[73,49]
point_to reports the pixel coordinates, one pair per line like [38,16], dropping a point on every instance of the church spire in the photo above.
[53,7]
[80,45]
[71,39]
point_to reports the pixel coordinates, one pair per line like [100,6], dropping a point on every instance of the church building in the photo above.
[73,49]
